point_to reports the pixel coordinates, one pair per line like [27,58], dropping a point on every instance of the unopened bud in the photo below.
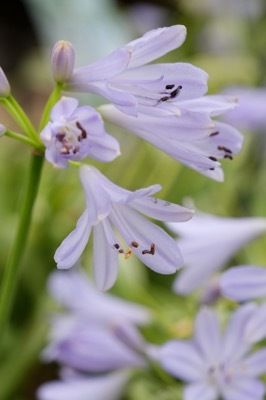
[4,84]
[62,60]
[2,130]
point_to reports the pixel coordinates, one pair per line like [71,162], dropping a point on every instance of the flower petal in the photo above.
[182,360]
[132,226]
[244,389]
[255,329]
[105,259]
[244,282]
[200,390]
[155,44]
[207,335]
[255,364]
[104,387]
[161,210]
[104,148]
[64,107]
[72,247]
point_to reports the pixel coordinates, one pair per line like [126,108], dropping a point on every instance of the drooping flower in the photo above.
[125,79]
[207,243]
[95,335]
[244,282]
[80,387]
[107,206]
[75,133]
[190,137]
[217,365]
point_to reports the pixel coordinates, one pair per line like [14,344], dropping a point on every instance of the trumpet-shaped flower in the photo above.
[207,243]
[217,365]
[75,133]
[107,206]
[244,282]
[193,139]
[125,79]
[96,334]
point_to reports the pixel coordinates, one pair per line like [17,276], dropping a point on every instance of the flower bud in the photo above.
[2,130]
[4,84]
[62,60]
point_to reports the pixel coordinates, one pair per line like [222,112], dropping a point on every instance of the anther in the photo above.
[121,251]
[134,244]
[224,149]
[169,87]
[213,158]
[116,245]
[83,132]
[228,156]
[175,92]
[214,133]
[151,251]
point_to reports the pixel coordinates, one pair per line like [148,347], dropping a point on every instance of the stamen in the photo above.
[228,156]
[83,132]
[116,245]
[175,92]
[151,251]
[167,87]
[214,133]
[121,251]
[134,244]
[224,149]
[213,158]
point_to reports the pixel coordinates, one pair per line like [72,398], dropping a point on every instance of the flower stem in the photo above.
[24,139]
[21,118]
[10,277]
[54,97]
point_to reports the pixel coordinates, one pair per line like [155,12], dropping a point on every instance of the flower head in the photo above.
[75,133]
[207,243]
[217,365]
[109,205]
[125,79]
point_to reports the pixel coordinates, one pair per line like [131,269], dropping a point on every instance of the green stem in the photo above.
[23,139]
[20,117]
[10,277]
[54,97]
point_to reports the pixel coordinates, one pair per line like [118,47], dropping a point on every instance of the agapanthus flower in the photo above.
[95,335]
[207,243]
[125,79]
[243,282]
[75,133]
[108,206]
[220,365]
[80,387]
[190,137]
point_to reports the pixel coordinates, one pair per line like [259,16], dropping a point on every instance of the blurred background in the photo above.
[227,38]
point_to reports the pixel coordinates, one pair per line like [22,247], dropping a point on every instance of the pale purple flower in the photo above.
[2,130]
[185,131]
[250,114]
[95,334]
[76,132]
[244,282]
[220,365]
[73,290]
[125,79]
[207,243]
[108,206]
[80,387]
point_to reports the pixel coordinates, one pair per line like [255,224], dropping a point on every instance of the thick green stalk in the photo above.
[11,273]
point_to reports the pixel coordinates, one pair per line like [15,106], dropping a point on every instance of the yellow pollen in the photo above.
[128,253]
